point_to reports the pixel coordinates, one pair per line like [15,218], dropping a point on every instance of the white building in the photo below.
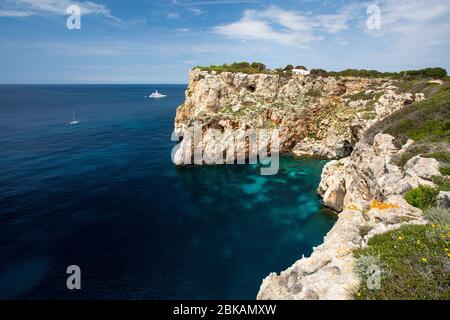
[301,72]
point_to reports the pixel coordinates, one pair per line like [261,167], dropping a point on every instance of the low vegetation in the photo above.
[407,74]
[419,85]
[414,262]
[363,96]
[442,183]
[425,121]
[445,170]
[243,67]
[438,216]
[438,152]
[422,197]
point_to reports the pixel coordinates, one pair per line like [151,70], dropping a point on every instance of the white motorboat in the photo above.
[157,95]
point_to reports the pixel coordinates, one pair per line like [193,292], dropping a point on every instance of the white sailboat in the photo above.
[157,95]
[75,121]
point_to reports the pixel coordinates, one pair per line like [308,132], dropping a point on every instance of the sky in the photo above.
[159,41]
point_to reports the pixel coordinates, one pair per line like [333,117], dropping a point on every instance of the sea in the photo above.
[104,195]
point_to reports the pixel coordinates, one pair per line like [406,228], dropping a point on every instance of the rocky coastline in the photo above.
[322,117]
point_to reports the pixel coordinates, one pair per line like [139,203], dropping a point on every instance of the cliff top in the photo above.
[260,68]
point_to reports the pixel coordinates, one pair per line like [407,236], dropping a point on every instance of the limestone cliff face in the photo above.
[371,173]
[320,117]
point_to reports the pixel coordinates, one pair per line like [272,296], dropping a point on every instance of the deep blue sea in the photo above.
[104,195]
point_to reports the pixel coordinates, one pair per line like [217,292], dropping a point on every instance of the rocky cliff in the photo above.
[326,118]
[366,187]
[316,116]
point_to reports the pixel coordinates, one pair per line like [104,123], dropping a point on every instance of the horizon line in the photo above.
[88,83]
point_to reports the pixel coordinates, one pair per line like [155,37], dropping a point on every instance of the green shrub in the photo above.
[435,72]
[319,72]
[243,67]
[445,170]
[439,216]
[428,72]
[413,262]
[259,66]
[422,197]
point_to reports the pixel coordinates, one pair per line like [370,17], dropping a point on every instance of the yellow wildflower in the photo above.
[424,260]
[446,249]
[433,226]
[400,238]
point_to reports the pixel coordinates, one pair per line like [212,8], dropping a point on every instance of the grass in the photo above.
[445,170]
[432,130]
[442,156]
[426,121]
[418,86]
[414,264]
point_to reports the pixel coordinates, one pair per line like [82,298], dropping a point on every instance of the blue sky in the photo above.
[158,41]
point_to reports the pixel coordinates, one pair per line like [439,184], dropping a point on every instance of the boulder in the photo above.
[422,168]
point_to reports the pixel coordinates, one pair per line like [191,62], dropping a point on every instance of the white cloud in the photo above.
[190,7]
[414,25]
[272,24]
[22,8]
[15,13]
[286,27]
[412,11]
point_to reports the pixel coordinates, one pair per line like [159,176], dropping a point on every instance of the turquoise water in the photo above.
[104,195]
